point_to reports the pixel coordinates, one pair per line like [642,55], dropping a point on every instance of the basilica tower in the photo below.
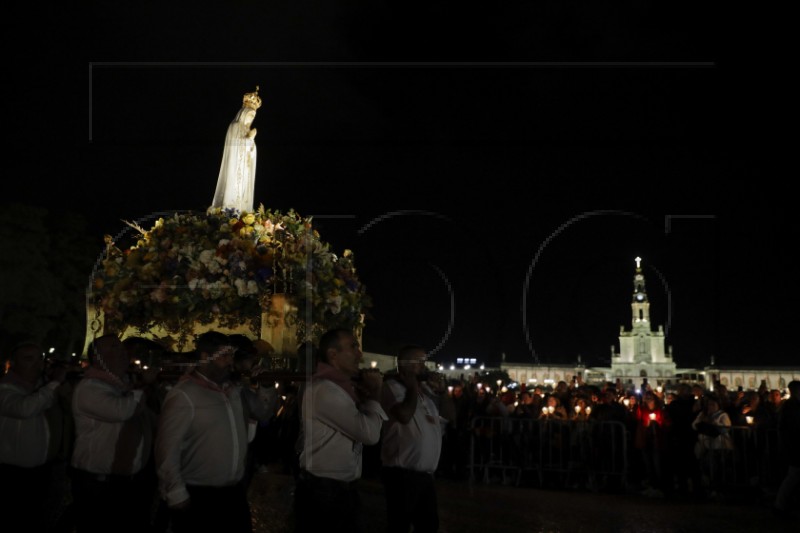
[641,350]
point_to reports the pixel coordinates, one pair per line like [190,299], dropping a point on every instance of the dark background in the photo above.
[495,172]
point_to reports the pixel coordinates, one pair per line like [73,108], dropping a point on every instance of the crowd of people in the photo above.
[679,442]
[117,446]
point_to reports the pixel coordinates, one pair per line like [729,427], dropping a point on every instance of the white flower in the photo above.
[214,267]
[252,287]
[334,304]
[206,256]
[217,288]
[198,283]
[241,287]
[245,288]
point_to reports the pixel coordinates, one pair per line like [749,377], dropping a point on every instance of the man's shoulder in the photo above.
[182,388]
[325,386]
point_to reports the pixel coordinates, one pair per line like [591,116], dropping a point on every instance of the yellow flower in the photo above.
[233,221]
[245,231]
[249,219]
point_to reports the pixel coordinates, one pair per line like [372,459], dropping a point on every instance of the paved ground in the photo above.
[487,508]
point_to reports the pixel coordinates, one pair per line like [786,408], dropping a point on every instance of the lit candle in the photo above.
[544,410]
[516,404]
[659,389]
[652,416]
[551,409]
[627,402]
[450,390]
[499,382]
[577,408]
[374,364]
[588,410]
[749,419]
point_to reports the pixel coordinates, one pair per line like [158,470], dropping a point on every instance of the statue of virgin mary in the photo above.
[237,174]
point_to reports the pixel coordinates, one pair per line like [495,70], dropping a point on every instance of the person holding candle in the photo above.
[555,409]
[579,408]
[649,440]
[714,444]
[579,443]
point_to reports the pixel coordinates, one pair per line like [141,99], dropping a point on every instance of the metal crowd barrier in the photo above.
[595,454]
[753,460]
[559,452]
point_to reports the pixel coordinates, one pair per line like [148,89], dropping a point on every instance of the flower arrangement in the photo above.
[224,266]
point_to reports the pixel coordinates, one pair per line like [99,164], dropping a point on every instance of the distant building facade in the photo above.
[642,355]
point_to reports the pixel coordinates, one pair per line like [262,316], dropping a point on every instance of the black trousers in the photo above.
[410,500]
[323,504]
[214,509]
[105,503]
[23,492]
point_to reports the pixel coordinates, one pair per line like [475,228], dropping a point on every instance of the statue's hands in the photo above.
[252,133]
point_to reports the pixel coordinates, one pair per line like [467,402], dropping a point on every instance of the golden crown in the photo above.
[252,100]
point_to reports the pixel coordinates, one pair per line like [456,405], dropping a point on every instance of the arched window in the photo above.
[643,373]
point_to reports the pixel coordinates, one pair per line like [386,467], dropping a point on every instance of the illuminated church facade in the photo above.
[643,356]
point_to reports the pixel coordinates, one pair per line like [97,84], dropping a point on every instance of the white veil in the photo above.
[237,173]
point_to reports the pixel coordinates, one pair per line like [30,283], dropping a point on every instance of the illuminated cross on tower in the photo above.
[638,263]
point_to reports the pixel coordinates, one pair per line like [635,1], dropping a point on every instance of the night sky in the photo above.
[512,164]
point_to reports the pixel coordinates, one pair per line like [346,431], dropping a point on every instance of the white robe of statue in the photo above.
[237,174]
